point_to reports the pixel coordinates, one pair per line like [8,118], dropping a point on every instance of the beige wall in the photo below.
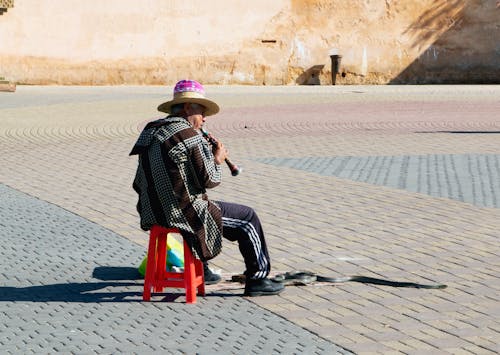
[242,42]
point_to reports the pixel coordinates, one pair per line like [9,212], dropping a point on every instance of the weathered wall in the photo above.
[240,42]
[465,43]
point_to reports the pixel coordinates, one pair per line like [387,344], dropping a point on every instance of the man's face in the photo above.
[195,115]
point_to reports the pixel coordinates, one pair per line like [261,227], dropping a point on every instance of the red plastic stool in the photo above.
[157,277]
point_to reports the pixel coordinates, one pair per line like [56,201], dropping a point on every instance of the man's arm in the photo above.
[208,171]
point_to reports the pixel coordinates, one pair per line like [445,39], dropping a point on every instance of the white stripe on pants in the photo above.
[241,223]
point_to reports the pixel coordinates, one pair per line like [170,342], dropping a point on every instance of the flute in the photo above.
[235,169]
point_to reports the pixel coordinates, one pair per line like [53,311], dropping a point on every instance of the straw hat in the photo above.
[193,92]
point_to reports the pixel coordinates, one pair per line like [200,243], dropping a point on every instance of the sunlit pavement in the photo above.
[400,183]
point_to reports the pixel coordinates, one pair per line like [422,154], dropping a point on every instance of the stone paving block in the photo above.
[397,346]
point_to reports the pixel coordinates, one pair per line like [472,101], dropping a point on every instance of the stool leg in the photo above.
[150,269]
[161,261]
[189,275]
[199,272]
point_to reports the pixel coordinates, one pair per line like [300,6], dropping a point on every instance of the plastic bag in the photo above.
[175,256]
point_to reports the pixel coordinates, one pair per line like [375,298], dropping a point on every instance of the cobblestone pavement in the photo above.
[68,287]
[399,183]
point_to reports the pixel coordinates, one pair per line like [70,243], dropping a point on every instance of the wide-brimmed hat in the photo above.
[190,91]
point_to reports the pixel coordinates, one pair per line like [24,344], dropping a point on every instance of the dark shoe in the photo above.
[262,287]
[210,277]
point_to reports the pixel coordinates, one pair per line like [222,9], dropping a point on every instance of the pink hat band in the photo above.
[190,91]
[189,86]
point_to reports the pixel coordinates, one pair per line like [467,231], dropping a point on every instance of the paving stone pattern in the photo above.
[68,287]
[69,146]
[471,178]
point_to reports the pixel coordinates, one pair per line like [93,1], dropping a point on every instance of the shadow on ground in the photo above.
[83,292]
[113,277]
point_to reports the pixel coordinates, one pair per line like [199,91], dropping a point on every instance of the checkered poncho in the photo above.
[176,166]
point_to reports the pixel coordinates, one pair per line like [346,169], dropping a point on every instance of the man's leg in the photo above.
[210,277]
[240,223]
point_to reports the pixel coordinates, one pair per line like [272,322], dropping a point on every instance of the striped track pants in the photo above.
[240,223]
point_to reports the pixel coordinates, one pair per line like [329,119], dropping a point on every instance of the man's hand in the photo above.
[220,153]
